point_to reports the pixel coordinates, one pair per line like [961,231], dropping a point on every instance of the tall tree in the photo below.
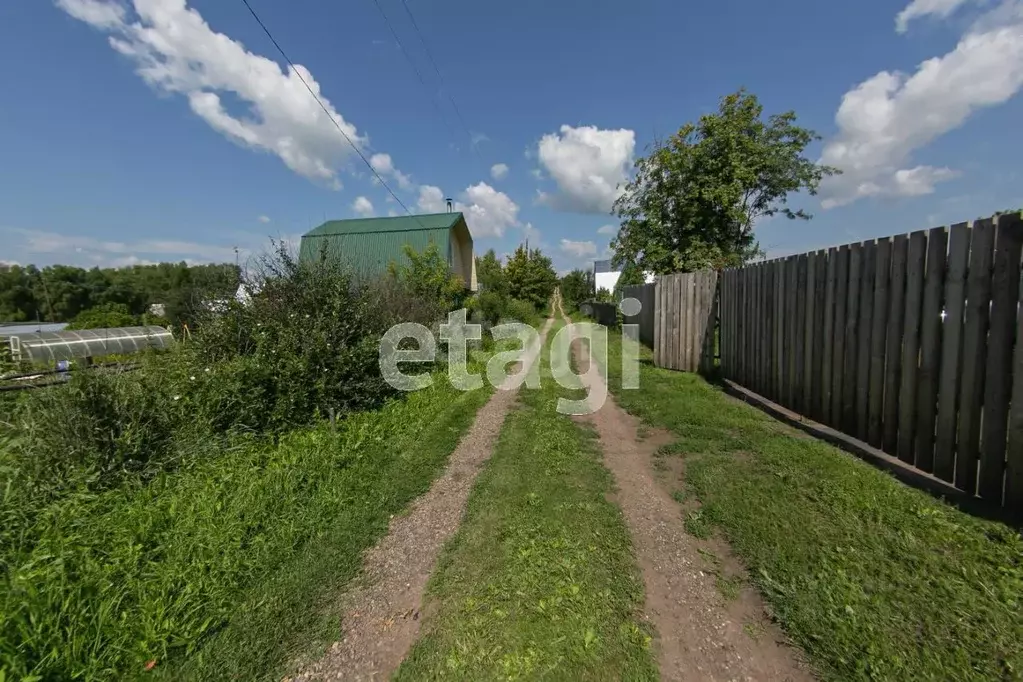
[428,275]
[576,287]
[695,198]
[530,277]
[490,273]
[631,274]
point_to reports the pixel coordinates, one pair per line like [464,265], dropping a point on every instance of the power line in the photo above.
[433,62]
[325,109]
[408,58]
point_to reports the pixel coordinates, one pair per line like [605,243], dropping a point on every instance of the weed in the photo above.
[754,630]
[539,582]
[728,586]
[697,525]
[221,569]
[874,579]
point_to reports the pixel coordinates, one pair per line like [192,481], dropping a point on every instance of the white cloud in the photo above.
[579,249]
[499,171]
[99,13]
[263,219]
[431,199]
[607,229]
[531,232]
[537,173]
[922,8]
[488,212]
[884,119]
[363,207]
[589,166]
[383,165]
[74,248]
[176,51]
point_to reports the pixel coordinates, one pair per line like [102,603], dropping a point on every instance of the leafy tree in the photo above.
[631,274]
[490,273]
[696,197]
[576,287]
[104,316]
[58,293]
[604,296]
[427,275]
[530,277]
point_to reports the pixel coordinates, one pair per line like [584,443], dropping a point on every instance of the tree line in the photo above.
[60,293]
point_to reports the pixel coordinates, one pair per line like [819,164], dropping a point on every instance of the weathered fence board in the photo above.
[893,355]
[878,338]
[838,361]
[820,339]
[824,409]
[930,349]
[912,343]
[971,393]
[863,329]
[997,384]
[852,318]
[686,318]
[645,294]
[951,352]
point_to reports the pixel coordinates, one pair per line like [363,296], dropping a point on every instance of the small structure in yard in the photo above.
[86,343]
[370,245]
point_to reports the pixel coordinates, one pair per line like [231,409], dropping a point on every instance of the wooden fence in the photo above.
[603,313]
[645,294]
[686,309]
[908,343]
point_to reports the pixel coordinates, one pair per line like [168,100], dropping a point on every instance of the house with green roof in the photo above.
[370,245]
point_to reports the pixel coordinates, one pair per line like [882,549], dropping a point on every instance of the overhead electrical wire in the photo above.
[408,58]
[433,62]
[326,110]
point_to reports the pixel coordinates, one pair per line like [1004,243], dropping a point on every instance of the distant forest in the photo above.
[58,293]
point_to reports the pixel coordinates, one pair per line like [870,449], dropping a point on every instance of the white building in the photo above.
[604,277]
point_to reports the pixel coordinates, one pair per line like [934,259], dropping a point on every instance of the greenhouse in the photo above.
[86,343]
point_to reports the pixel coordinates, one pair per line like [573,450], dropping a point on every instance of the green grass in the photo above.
[873,579]
[228,568]
[539,582]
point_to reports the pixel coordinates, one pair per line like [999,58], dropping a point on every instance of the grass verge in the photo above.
[873,579]
[540,581]
[223,569]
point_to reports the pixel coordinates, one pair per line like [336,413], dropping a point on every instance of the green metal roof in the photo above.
[369,245]
[429,221]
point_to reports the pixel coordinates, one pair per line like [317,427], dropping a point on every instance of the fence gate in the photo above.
[685,305]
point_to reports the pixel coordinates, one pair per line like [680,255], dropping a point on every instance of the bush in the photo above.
[99,427]
[491,305]
[104,316]
[521,311]
[305,346]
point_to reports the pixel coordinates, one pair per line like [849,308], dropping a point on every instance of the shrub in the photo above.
[521,311]
[491,305]
[305,346]
[99,427]
[104,316]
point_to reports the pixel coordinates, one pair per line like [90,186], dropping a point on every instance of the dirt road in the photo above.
[381,621]
[700,637]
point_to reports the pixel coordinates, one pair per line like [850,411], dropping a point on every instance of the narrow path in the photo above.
[699,638]
[381,621]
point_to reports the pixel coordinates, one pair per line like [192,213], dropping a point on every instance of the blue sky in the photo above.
[147,130]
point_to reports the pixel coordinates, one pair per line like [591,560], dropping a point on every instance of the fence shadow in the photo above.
[905,473]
